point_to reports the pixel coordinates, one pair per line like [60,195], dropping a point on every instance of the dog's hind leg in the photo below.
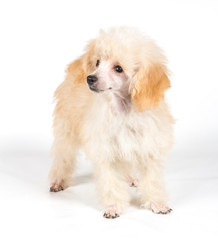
[64,151]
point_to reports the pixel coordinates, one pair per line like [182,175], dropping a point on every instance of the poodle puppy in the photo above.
[111,104]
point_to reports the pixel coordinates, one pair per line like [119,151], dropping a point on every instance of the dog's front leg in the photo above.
[112,188]
[152,187]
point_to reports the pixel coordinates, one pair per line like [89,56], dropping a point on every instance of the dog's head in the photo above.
[108,76]
[127,63]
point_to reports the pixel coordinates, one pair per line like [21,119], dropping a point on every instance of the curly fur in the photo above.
[120,143]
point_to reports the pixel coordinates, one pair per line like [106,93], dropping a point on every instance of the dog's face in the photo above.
[108,76]
[129,65]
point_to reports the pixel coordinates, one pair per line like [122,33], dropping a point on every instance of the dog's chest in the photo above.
[123,136]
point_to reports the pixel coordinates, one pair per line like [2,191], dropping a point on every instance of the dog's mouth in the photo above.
[94,89]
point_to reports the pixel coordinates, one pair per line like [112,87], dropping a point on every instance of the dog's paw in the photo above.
[158,208]
[111,212]
[133,182]
[56,187]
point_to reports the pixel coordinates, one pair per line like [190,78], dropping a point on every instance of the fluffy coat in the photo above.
[127,142]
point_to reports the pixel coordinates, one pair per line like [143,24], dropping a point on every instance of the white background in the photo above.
[37,40]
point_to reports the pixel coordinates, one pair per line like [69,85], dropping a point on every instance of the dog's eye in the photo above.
[118,69]
[97,63]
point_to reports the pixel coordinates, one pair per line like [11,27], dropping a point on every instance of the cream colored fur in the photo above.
[132,142]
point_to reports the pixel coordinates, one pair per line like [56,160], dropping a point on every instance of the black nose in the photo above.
[91,79]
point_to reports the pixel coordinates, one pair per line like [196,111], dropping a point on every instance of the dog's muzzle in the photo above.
[91,80]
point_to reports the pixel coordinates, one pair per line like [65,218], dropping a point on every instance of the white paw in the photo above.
[56,187]
[133,182]
[112,212]
[159,208]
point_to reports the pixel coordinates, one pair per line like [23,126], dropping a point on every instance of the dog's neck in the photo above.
[120,101]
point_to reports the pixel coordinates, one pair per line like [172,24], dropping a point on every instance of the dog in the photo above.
[111,104]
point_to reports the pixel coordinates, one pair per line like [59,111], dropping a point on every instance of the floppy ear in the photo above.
[150,85]
[82,67]
[76,69]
